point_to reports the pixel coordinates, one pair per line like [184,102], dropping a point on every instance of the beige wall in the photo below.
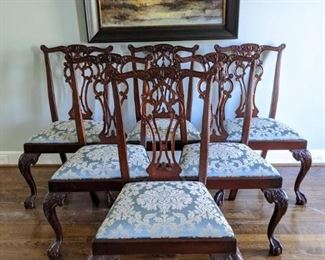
[26,24]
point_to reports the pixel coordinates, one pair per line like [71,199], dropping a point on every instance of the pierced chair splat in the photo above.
[96,167]
[165,215]
[233,165]
[60,136]
[267,133]
[163,56]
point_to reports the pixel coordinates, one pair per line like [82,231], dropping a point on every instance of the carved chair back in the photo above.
[74,51]
[262,51]
[163,56]
[225,71]
[110,91]
[163,97]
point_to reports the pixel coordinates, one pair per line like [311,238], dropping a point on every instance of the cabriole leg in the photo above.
[280,199]
[305,159]
[51,201]
[24,164]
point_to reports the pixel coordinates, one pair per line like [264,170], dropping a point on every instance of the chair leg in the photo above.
[264,153]
[24,164]
[232,194]
[51,201]
[94,198]
[111,197]
[280,199]
[219,197]
[305,159]
[63,157]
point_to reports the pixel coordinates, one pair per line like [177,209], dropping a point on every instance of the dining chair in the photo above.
[267,133]
[60,136]
[163,56]
[233,165]
[165,214]
[96,167]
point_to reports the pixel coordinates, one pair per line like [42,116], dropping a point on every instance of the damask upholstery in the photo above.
[102,162]
[226,160]
[65,132]
[261,129]
[162,124]
[163,209]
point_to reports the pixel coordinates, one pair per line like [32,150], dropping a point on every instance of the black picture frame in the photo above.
[96,34]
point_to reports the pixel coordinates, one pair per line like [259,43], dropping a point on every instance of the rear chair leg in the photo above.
[51,201]
[232,194]
[280,199]
[94,198]
[305,159]
[63,157]
[219,197]
[24,164]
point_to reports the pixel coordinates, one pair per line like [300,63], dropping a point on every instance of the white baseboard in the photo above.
[274,157]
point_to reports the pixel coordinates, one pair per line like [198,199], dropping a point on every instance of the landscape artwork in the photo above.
[143,13]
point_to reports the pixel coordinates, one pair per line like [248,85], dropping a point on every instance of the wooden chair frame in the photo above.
[298,147]
[223,248]
[32,151]
[219,65]
[106,65]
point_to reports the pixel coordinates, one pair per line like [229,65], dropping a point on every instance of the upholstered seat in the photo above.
[163,209]
[65,132]
[162,124]
[226,160]
[102,162]
[264,129]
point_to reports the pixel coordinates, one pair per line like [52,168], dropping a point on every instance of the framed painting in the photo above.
[161,20]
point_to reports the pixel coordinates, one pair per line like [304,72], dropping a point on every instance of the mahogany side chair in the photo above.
[233,165]
[96,167]
[165,215]
[60,136]
[163,56]
[267,133]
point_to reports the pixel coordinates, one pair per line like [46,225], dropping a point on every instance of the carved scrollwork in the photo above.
[305,159]
[51,201]
[280,199]
[26,160]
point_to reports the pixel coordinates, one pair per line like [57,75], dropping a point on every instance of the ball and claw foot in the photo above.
[53,251]
[29,202]
[275,247]
[300,198]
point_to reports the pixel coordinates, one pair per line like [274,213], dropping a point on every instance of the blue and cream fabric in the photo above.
[226,160]
[163,209]
[261,129]
[162,124]
[65,132]
[102,162]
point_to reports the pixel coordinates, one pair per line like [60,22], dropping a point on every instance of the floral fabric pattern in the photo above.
[65,132]
[102,162]
[162,124]
[163,209]
[226,160]
[261,129]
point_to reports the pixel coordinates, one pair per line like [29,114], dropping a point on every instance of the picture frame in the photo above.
[142,29]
